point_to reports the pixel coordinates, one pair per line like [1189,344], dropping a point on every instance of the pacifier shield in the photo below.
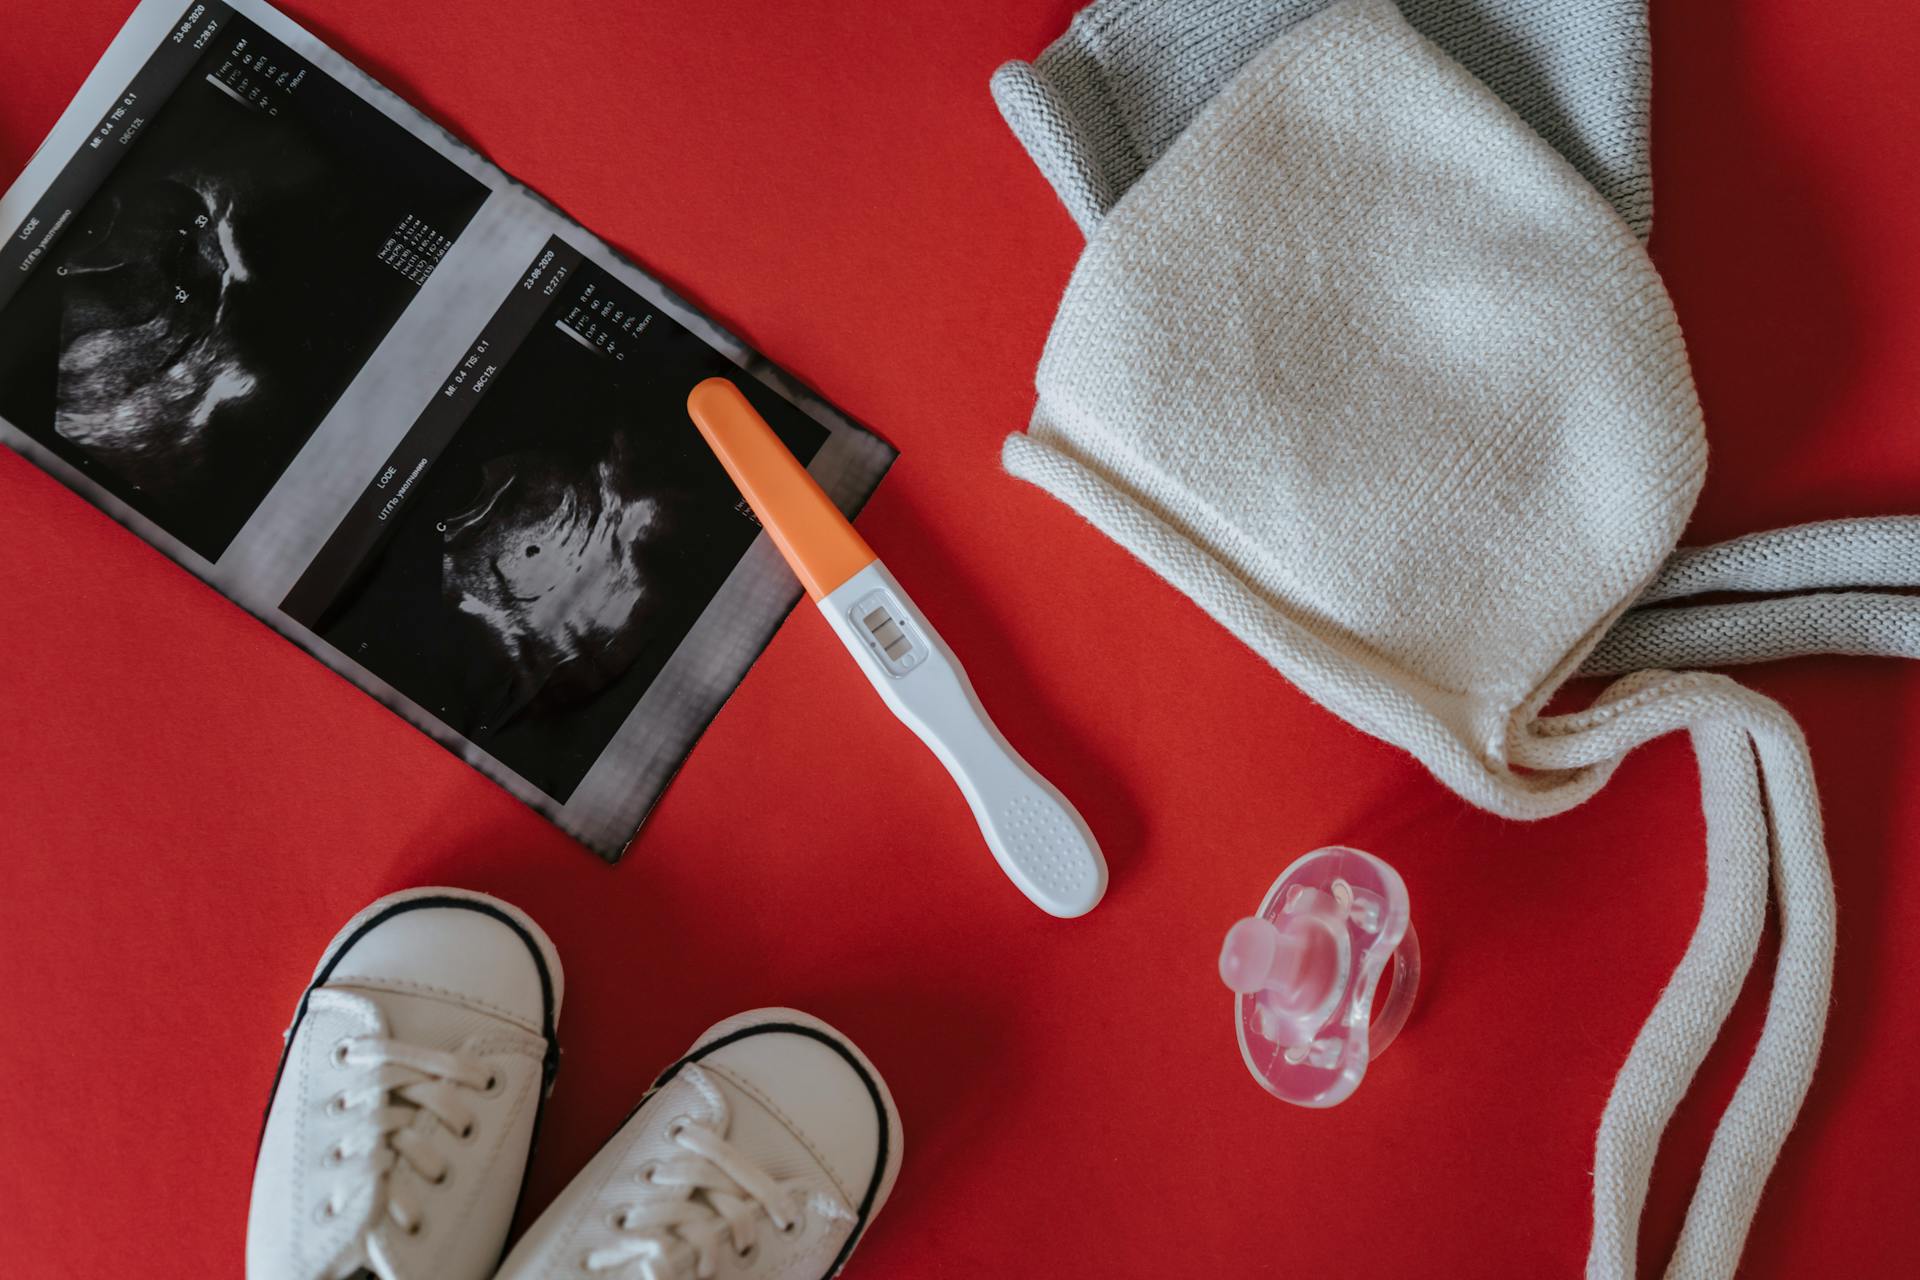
[1304,968]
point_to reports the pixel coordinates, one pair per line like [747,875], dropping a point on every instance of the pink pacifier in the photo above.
[1304,967]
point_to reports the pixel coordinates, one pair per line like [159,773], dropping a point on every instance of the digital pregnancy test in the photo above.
[1038,839]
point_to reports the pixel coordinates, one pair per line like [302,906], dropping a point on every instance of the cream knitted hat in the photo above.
[1106,99]
[1101,103]
[1376,377]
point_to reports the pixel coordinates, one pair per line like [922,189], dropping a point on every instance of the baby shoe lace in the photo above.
[699,1201]
[394,1084]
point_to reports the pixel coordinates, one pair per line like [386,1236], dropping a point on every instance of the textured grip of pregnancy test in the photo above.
[1041,836]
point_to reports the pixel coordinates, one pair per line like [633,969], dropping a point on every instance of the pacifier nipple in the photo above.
[1293,965]
[1304,969]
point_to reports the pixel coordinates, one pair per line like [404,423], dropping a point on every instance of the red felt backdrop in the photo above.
[189,806]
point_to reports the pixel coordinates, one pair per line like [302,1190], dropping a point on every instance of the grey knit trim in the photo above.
[1881,551]
[1857,623]
[1806,560]
[1105,100]
[1059,143]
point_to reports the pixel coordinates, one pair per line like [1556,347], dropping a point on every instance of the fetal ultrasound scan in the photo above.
[551,559]
[207,305]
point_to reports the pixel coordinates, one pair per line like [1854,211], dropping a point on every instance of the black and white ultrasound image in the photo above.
[558,551]
[206,308]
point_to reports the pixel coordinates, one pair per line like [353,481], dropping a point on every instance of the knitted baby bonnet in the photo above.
[1377,378]
[1374,375]
[1101,103]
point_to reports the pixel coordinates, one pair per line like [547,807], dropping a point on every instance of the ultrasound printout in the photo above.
[199,315]
[332,361]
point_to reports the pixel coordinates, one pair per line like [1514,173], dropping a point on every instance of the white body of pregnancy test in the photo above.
[1039,840]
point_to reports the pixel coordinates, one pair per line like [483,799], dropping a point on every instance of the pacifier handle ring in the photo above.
[1400,993]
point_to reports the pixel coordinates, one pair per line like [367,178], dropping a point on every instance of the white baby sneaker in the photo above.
[409,1095]
[764,1152]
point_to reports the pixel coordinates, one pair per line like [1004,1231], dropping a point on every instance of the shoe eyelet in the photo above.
[618,1219]
[337,1105]
[746,1254]
[677,1126]
[647,1171]
[340,1052]
[793,1225]
[467,1134]
[333,1158]
[326,1211]
[494,1085]
[417,1226]
[446,1176]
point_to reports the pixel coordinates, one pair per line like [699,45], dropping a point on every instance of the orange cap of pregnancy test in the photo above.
[819,543]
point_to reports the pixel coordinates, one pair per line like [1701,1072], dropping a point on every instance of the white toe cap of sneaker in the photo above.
[459,948]
[820,1095]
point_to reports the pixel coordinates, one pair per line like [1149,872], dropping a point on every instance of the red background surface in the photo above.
[189,806]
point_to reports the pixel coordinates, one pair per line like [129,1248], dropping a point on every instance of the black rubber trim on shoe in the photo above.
[873,1093]
[550,1063]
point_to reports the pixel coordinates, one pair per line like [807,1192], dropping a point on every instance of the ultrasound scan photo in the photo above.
[211,301]
[559,568]
[150,352]
[554,556]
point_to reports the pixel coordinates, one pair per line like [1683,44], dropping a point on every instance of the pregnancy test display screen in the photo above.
[882,622]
